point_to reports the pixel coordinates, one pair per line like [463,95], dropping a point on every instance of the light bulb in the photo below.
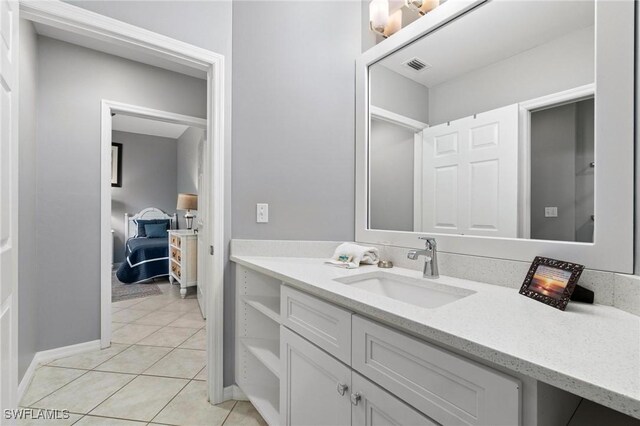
[378,15]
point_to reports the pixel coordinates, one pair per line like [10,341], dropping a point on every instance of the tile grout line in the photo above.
[127,347]
[229,413]
[169,402]
[49,394]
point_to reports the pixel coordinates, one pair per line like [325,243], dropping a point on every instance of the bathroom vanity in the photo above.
[334,345]
[491,137]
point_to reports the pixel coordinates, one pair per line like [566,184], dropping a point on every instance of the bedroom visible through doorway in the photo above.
[156,174]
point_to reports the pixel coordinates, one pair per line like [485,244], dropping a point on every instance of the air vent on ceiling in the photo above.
[417,64]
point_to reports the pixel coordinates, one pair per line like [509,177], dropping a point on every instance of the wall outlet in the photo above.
[550,212]
[262,213]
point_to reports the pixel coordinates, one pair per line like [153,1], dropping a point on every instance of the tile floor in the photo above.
[153,373]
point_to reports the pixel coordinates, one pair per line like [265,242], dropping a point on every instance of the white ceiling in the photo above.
[493,32]
[145,126]
[131,54]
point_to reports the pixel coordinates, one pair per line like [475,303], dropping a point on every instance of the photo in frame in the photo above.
[551,281]
[116,165]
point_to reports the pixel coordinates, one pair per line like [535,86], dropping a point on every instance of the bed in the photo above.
[146,257]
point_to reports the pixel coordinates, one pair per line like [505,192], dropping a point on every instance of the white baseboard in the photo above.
[47,356]
[234,392]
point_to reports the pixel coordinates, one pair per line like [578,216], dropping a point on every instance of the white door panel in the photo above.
[203,250]
[8,204]
[315,387]
[469,175]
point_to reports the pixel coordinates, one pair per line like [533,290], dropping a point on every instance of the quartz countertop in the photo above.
[590,350]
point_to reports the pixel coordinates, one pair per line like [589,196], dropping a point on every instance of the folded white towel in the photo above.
[349,255]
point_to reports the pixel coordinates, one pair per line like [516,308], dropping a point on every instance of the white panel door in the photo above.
[8,204]
[203,250]
[314,387]
[469,175]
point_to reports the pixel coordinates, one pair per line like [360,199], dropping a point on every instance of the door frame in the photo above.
[108,109]
[524,149]
[120,35]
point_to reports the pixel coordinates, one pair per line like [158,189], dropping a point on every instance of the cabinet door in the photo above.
[373,406]
[314,386]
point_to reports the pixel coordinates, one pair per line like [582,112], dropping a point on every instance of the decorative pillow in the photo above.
[156,230]
[140,223]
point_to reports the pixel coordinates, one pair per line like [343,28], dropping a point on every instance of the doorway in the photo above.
[89,29]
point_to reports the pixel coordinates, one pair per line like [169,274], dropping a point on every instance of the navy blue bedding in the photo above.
[145,258]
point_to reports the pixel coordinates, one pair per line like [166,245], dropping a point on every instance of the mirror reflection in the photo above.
[486,126]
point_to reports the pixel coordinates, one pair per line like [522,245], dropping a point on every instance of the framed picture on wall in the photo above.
[551,281]
[116,165]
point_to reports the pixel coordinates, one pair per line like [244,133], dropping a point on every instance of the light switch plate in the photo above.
[550,212]
[262,213]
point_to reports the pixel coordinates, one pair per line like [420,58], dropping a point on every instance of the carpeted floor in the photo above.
[121,291]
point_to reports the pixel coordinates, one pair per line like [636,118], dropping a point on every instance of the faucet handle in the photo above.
[430,242]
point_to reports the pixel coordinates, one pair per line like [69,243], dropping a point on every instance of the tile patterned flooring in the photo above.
[153,373]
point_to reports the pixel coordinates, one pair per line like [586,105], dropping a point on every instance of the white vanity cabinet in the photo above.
[315,388]
[320,390]
[442,387]
[376,407]
[302,360]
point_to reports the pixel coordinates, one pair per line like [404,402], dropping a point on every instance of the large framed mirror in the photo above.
[504,129]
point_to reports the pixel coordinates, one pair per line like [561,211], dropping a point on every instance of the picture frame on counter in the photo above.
[551,281]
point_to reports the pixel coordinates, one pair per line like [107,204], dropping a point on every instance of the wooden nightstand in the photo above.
[183,259]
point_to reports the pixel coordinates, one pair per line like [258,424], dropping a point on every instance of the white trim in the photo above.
[74,19]
[524,148]
[394,118]
[45,357]
[234,392]
[417,180]
[612,249]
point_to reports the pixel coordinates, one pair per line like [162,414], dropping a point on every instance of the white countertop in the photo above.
[590,350]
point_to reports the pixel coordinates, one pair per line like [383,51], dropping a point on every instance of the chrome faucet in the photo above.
[431,257]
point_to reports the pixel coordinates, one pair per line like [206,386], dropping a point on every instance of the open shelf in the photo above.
[267,351]
[258,341]
[265,399]
[268,305]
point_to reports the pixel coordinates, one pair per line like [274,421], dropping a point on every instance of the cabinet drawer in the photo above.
[377,407]
[176,255]
[175,240]
[175,270]
[446,387]
[324,324]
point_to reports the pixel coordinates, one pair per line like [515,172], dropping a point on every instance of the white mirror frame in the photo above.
[612,249]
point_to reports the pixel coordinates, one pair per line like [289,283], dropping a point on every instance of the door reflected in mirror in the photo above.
[486,126]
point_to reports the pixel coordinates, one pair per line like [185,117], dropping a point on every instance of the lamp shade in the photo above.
[187,202]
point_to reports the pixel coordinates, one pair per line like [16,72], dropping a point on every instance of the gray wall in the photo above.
[391,160]
[566,63]
[293,118]
[206,24]
[149,179]
[293,124]
[553,166]
[68,181]
[27,284]
[188,161]
[397,93]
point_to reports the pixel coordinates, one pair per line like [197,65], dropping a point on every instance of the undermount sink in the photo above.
[418,292]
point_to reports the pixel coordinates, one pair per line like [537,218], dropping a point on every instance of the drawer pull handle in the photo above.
[342,388]
[355,398]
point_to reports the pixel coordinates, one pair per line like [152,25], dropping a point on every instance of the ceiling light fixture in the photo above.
[422,6]
[379,20]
